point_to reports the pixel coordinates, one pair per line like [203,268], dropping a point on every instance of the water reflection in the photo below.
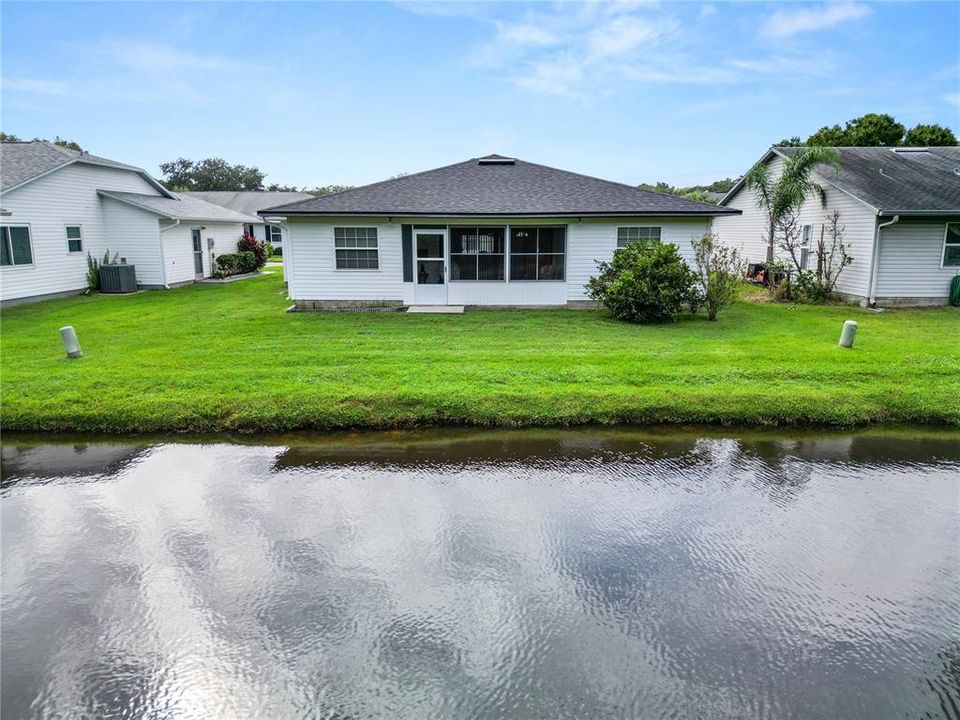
[539,574]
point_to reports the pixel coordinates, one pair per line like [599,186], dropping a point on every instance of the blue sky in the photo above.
[320,93]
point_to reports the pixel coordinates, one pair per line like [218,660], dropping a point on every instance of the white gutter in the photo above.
[163,256]
[875,265]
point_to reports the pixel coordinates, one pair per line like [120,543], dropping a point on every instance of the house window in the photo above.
[74,239]
[356,248]
[805,247]
[248,229]
[15,245]
[477,253]
[537,253]
[274,235]
[627,235]
[951,246]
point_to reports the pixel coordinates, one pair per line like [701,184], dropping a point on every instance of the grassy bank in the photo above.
[226,357]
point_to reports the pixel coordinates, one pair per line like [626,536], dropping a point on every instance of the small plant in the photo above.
[832,256]
[248,243]
[278,251]
[236,264]
[269,248]
[644,283]
[719,269]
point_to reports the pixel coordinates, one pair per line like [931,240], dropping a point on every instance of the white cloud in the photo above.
[785,23]
[953,99]
[527,34]
[707,11]
[626,33]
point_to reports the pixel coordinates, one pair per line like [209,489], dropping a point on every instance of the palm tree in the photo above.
[781,197]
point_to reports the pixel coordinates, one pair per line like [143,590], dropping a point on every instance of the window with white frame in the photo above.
[538,253]
[477,253]
[356,248]
[74,238]
[627,235]
[805,247]
[15,245]
[274,235]
[951,246]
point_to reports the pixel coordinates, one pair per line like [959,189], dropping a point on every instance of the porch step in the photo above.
[442,309]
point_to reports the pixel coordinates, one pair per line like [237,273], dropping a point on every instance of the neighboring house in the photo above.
[488,231]
[250,202]
[56,205]
[901,211]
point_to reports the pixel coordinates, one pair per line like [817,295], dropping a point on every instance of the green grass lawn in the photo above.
[227,357]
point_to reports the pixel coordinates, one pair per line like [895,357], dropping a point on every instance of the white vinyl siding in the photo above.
[312,274]
[310,261]
[909,263]
[748,231]
[178,247]
[65,197]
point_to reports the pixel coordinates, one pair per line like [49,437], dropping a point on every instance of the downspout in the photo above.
[163,256]
[875,265]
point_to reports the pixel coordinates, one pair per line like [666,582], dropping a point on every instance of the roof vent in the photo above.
[496,160]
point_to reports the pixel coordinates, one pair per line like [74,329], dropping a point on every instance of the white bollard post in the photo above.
[848,333]
[70,342]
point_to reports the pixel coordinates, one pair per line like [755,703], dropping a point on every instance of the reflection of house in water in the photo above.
[74,460]
[775,460]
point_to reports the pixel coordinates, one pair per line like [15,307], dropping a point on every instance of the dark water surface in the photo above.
[548,574]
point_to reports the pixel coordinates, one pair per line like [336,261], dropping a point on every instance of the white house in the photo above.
[487,231]
[900,208]
[56,205]
[250,202]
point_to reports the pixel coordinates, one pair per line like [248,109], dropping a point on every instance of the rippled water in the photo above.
[529,575]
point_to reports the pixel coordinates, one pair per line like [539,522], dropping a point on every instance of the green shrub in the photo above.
[269,249]
[248,243]
[227,264]
[278,251]
[644,283]
[248,262]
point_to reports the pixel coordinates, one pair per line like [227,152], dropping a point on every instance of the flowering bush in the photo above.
[248,243]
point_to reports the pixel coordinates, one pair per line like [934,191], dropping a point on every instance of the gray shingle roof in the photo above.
[475,188]
[180,207]
[249,202]
[21,162]
[893,180]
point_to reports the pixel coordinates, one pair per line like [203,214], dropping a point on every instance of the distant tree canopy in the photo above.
[876,130]
[69,144]
[692,192]
[210,174]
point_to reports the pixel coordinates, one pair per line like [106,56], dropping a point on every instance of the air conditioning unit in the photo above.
[118,278]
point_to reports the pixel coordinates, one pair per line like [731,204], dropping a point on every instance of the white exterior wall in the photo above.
[748,231]
[593,240]
[909,265]
[178,247]
[135,235]
[66,196]
[312,274]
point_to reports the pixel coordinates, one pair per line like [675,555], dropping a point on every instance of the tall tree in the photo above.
[877,130]
[210,174]
[781,197]
[929,136]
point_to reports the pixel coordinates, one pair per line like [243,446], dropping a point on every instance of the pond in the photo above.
[537,574]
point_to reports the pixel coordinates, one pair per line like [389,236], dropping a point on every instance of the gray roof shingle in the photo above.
[484,186]
[180,207]
[893,180]
[21,162]
[249,202]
